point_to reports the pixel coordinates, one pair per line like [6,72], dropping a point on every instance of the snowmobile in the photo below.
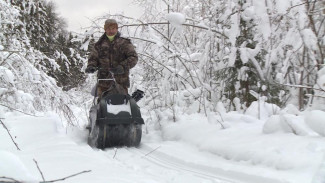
[115,120]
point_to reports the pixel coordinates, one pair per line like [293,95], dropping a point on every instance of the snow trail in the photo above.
[172,154]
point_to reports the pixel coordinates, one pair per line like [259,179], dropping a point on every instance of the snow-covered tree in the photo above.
[195,54]
[243,49]
[25,84]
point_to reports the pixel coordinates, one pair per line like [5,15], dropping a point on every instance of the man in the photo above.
[112,52]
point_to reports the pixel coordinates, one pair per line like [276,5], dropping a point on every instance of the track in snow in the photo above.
[168,162]
[158,161]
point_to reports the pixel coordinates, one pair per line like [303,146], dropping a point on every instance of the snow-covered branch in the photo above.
[184,24]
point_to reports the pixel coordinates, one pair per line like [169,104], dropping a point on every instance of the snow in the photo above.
[259,144]
[309,38]
[231,148]
[12,166]
[243,143]
[154,37]
[261,15]
[321,82]
[247,54]
[175,18]
[115,109]
[319,103]
[262,110]
[316,121]
[232,56]
[282,6]
[248,13]
[286,124]
[85,45]
[3,90]
[7,75]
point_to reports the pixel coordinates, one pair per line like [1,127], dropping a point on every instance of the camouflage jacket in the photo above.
[106,54]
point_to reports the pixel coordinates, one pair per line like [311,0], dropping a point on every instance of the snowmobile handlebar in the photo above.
[114,71]
[111,73]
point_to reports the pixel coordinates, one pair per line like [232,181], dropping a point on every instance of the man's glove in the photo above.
[118,69]
[90,69]
[137,95]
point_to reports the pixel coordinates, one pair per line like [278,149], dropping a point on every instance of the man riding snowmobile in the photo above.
[112,51]
[116,119]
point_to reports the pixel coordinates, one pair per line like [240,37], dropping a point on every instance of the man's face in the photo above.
[111,30]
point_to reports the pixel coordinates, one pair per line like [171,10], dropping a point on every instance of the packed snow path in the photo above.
[61,152]
[59,155]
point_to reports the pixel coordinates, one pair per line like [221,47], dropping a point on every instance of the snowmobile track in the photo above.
[216,175]
[169,162]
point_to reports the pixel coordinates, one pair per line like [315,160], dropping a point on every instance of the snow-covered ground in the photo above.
[231,148]
[264,144]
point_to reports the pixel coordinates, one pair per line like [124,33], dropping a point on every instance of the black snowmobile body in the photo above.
[115,121]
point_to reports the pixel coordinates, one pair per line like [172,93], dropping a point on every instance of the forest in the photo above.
[194,55]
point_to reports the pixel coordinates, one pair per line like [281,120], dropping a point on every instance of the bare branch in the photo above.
[166,23]
[301,86]
[320,96]
[39,170]
[20,111]
[67,113]
[177,56]
[11,51]
[289,9]
[10,180]
[73,175]
[4,60]
[167,69]
[4,126]
[223,127]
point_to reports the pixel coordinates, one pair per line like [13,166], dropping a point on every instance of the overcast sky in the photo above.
[78,12]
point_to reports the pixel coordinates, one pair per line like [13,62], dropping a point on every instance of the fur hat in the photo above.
[109,22]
